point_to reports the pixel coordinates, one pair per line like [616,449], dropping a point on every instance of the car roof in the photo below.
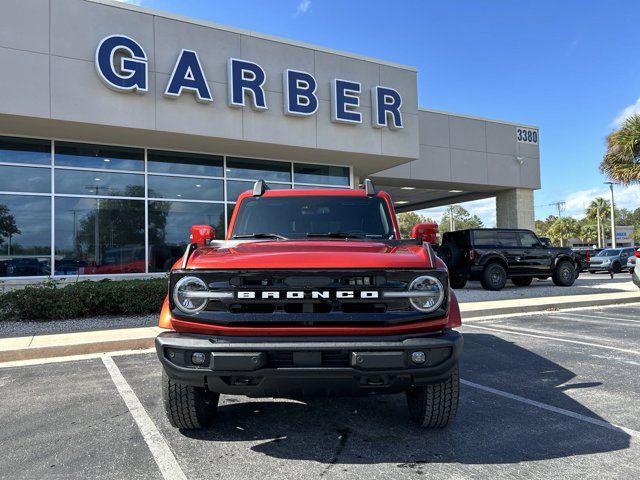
[311,192]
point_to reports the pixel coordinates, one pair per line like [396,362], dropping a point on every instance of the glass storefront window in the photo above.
[99,236]
[84,182]
[25,235]
[25,150]
[258,169]
[84,155]
[184,163]
[25,179]
[99,197]
[235,188]
[169,224]
[188,188]
[321,174]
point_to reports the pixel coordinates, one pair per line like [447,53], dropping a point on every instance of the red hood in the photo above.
[311,254]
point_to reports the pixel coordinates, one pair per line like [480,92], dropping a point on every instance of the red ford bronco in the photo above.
[312,292]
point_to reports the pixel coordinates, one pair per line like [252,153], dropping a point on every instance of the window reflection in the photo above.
[82,182]
[321,174]
[258,169]
[25,179]
[25,235]
[235,188]
[99,236]
[184,163]
[25,150]
[169,224]
[101,157]
[187,188]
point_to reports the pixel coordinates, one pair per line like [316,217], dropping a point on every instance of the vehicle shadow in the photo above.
[488,428]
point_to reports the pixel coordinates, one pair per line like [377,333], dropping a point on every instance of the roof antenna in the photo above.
[368,187]
[259,188]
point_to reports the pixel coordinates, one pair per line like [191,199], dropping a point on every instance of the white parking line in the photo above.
[599,321]
[159,448]
[603,317]
[538,334]
[551,408]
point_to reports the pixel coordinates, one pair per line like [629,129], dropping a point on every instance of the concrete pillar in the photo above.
[514,209]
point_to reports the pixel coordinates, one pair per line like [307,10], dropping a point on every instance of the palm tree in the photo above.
[597,210]
[621,162]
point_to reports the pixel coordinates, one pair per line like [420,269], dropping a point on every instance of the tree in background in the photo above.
[8,227]
[599,208]
[562,229]
[588,232]
[462,219]
[407,220]
[542,226]
[621,162]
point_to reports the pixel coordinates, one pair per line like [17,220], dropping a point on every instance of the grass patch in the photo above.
[48,301]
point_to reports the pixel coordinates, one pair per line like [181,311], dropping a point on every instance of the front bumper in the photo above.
[274,367]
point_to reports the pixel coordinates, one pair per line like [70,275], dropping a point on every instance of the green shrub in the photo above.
[47,301]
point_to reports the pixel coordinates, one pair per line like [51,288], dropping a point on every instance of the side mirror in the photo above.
[428,232]
[202,234]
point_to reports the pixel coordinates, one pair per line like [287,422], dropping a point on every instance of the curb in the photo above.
[82,343]
[468,312]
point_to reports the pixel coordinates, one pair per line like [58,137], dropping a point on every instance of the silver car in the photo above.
[613,259]
[631,263]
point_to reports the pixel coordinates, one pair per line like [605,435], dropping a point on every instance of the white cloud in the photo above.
[632,109]
[303,7]
[577,202]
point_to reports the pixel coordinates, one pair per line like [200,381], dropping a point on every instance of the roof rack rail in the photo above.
[259,188]
[368,187]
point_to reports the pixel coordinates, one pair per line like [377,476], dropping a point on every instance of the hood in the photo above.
[324,254]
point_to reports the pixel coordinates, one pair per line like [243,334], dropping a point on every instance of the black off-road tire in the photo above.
[564,275]
[616,267]
[457,282]
[494,277]
[522,281]
[435,405]
[186,406]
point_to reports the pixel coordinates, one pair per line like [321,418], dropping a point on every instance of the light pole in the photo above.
[598,219]
[613,218]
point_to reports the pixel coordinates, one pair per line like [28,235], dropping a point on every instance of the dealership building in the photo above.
[122,126]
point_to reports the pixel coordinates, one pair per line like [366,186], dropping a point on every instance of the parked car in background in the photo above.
[493,255]
[583,255]
[614,259]
[631,262]
[23,267]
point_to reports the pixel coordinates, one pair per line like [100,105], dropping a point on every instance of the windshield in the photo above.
[609,253]
[314,217]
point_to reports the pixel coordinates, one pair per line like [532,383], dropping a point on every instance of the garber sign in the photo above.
[245,82]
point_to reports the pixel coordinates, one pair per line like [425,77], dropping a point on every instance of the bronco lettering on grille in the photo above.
[312,294]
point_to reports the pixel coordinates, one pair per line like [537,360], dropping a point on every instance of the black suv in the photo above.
[493,255]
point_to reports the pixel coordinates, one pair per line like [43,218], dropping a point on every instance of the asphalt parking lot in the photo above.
[552,395]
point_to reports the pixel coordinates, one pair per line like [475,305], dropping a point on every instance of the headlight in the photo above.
[433,293]
[187,294]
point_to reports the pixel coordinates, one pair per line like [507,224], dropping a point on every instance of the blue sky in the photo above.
[569,67]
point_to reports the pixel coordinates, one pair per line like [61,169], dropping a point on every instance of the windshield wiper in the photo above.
[336,235]
[259,235]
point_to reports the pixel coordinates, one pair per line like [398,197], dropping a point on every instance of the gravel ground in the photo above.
[586,284]
[23,329]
